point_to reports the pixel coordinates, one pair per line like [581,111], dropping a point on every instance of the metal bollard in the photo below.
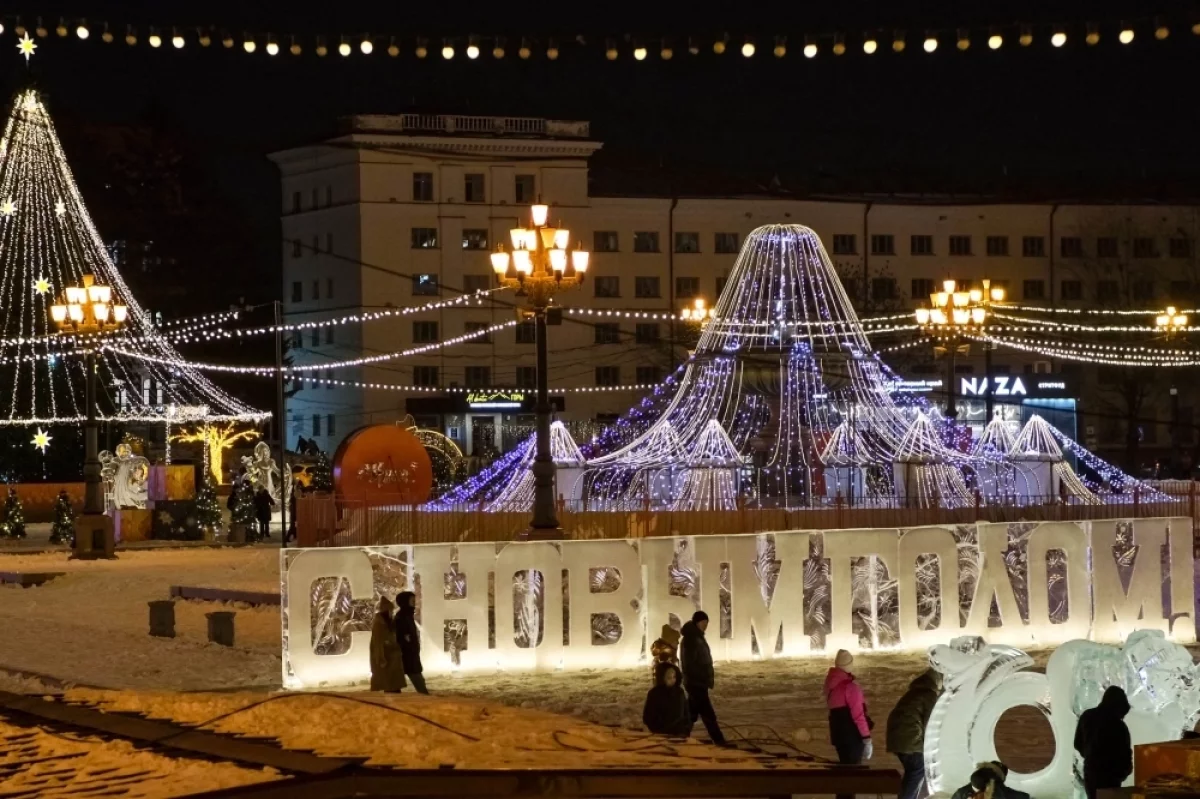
[162,618]
[220,627]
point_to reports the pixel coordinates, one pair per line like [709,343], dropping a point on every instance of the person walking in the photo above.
[987,782]
[387,664]
[666,711]
[262,511]
[1102,738]
[698,677]
[409,639]
[906,730]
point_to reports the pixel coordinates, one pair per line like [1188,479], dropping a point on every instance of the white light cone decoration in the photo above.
[710,479]
[47,243]
[1050,478]
[846,457]
[925,475]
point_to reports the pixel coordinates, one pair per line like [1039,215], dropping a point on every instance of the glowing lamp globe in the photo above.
[922,316]
[82,32]
[500,262]
[930,44]
[976,295]
[998,294]
[579,260]
[1058,39]
[748,50]
[540,214]
[522,262]
[1125,36]
[272,48]
[995,41]
[120,313]
[473,51]
[58,313]
[870,46]
[155,40]
[978,315]
[961,316]
[366,47]
[344,49]
[517,235]
[558,260]
[949,286]
[562,238]
[639,53]
[447,52]
[810,51]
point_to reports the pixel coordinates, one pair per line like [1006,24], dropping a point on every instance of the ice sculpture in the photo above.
[124,475]
[981,682]
[263,471]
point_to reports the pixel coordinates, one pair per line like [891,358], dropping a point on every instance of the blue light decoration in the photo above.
[784,403]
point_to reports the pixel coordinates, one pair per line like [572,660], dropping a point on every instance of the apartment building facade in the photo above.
[403,211]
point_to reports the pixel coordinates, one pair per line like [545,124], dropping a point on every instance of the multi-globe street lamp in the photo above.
[953,315]
[89,309]
[539,264]
[1171,323]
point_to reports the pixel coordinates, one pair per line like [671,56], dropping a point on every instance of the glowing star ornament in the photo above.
[41,286]
[26,46]
[41,440]
[60,209]
[8,207]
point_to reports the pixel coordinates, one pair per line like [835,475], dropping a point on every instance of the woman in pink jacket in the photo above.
[849,724]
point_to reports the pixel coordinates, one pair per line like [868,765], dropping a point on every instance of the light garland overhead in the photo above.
[323,381]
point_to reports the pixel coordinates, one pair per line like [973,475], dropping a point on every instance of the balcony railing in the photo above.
[458,125]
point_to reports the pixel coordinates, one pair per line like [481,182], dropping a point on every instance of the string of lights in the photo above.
[323,381]
[1098,353]
[181,36]
[1049,324]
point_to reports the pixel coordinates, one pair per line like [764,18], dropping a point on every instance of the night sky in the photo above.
[1104,121]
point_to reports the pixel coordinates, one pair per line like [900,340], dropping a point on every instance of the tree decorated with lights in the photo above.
[14,515]
[62,531]
[322,473]
[49,243]
[243,510]
[208,508]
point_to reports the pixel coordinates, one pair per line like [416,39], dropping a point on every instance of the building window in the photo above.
[1033,247]
[526,376]
[297,291]
[295,202]
[606,241]
[725,242]
[608,333]
[473,188]
[645,241]
[525,188]
[921,288]
[329,334]
[687,242]
[297,248]
[316,289]
[1106,247]
[1034,289]
[424,238]
[1070,247]
[1143,247]
[648,375]
[475,239]
[646,333]
[687,287]
[477,327]
[316,427]
[298,339]
[479,376]
[425,285]
[1107,291]
[329,428]
[1072,290]
[607,286]
[997,245]
[883,244]
[424,332]
[608,375]
[473,284]
[883,288]
[526,333]
[721,281]
[646,287]
[1180,248]
[1143,290]
[920,245]
[1181,290]
[425,375]
[960,245]
[845,244]
[315,337]
[423,187]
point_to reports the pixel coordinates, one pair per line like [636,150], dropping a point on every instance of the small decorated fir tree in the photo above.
[243,511]
[208,509]
[322,474]
[14,515]
[63,529]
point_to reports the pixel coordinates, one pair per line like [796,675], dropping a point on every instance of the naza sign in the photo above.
[996,385]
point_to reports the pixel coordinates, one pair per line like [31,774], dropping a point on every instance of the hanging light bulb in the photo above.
[82,30]
[1058,38]
[41,29]
[1161,31]
[810,48]
[272,45]
[839,44]
[930,43]
[130,36]
[964,39]
[1026,37]
[898,42]
[422,48]
[344,48]
[249,45]
[1093,34]
[294,48]
[666,53]
[1196,28]
[498,49]
[322,50]
[1126,34]
[693,48]
[176,39]
[203,38]
[155,40]
[995,40]
[552,50]
[719,44]
[639,53]
[473,48]
[870,45]
[610,50]
[780,46]
[748,48]
[227,41]
[106,36]
[447,49]
[61,30]
[366,46]
[524,52]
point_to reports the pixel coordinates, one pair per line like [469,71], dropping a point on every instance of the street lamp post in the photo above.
[954,314]
[539,265]
[1171,323]
[90,309]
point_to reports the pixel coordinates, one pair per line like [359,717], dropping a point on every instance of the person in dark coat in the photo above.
[1103,740]
[262,511]
[666,711]
[987,782]
[387,665]
[409,639]
[906,730]
[698,677]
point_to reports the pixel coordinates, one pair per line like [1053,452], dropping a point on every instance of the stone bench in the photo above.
[29,579]
[205,594]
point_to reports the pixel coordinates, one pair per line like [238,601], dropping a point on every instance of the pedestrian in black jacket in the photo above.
[666,711]
[987,782]
[698,678]
[1103,740]
[409,639]
[262,511]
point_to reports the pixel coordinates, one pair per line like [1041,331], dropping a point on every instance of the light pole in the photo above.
[539,265]
[1170,323]
[89,309]
[954,314]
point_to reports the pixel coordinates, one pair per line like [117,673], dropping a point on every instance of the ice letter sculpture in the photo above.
[981,682]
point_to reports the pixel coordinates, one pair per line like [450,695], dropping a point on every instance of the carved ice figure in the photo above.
[981,682]
[125,476]
[262,470]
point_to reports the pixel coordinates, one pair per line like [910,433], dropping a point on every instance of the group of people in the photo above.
[264,505]
[681,683]
[396,646]
[1101,737]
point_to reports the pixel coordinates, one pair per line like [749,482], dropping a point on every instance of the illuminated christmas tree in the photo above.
[243,510]
[48,242]
[63,529]
[322,473]
[208,509]
[14,515]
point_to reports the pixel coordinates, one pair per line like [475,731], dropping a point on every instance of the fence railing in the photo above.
[323,520]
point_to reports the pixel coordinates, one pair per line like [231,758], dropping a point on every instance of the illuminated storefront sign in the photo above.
[1016,386]
[495,400]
